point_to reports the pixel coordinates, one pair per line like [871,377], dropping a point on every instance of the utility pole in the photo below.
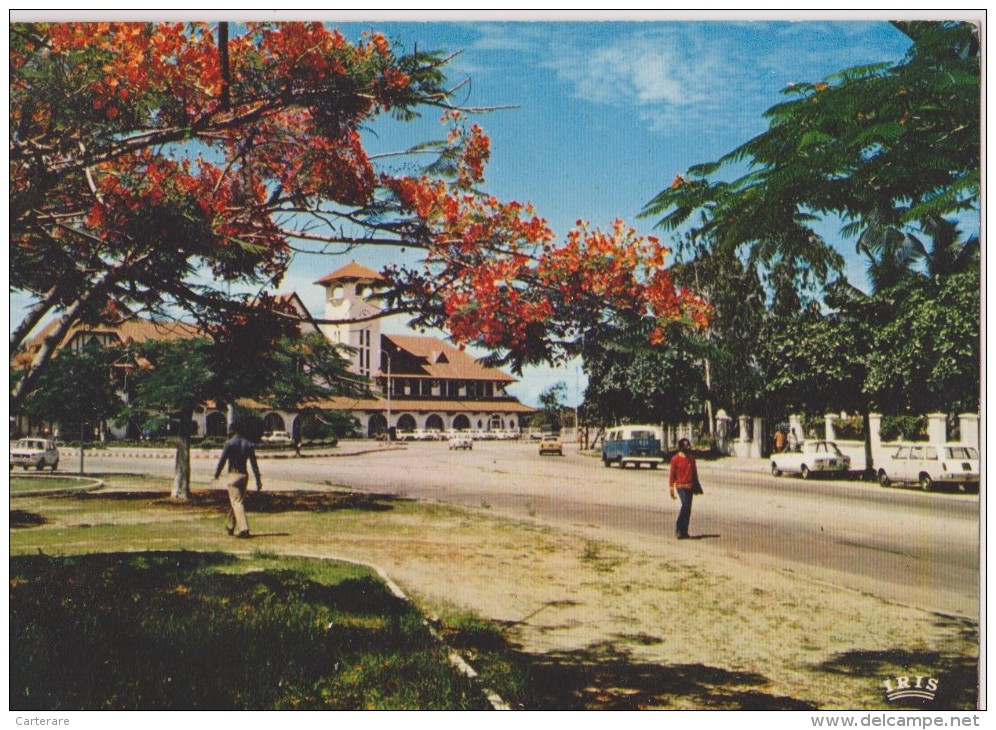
[388,354]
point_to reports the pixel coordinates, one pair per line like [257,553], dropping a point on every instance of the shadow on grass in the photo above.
[605,676]
[19,518]
[957,675]
[260,502]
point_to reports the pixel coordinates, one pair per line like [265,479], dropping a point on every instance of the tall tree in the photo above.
[885,148]
[79,389]
[149,163]
[631,380]
[730,346]
[257,355]
[177,376]
[927,358]
[551,402]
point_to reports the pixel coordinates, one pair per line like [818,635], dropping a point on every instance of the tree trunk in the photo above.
[181,479]
[869,460]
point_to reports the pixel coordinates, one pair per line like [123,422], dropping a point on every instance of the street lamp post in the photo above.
[388,354]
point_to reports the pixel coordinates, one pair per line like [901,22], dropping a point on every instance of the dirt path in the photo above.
[678,627]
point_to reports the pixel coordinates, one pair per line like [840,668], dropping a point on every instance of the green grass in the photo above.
[31,484]
[209,631]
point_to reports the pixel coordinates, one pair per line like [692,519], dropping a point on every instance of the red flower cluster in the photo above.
[507,285]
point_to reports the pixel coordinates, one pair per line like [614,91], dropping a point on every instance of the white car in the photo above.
[276,437]
[461,441]
[38,453]
[930,464]
[812,457]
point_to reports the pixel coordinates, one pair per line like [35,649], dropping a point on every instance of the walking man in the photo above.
[683,478]
[239,453]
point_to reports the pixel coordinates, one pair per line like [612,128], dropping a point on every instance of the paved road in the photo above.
[907,546]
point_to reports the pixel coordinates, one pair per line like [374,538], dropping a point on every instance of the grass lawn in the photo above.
[33,484]
[126,599]
[210,631]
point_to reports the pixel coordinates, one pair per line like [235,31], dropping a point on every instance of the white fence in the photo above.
[752,441]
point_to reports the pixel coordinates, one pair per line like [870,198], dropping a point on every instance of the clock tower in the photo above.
[347,300]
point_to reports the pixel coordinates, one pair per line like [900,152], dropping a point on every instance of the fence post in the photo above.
[968,426]
[723,432]
[757,450]
[743,440]
[937,428]
[795,425]
[875,435]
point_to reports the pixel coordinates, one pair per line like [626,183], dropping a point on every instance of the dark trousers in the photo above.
[685,514]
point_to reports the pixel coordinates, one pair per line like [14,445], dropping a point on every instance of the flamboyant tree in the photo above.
[152,165]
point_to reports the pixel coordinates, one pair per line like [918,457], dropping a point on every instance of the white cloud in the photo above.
[705,74]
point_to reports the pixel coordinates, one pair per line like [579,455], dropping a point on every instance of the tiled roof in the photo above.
[351,272]
[438,359]
[378,404]
[133,330]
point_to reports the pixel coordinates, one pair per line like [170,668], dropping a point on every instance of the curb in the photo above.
[59,491]
[162,454]
[457,661]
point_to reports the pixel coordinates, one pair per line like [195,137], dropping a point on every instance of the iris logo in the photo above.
[901,688]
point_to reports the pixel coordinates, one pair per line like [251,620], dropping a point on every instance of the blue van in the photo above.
[633,445]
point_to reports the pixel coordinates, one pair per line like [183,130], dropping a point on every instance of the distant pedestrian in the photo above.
[683,481]
[779,441]
[240,454]
[793,441]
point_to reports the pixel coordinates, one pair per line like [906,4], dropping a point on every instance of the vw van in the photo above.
[635,445]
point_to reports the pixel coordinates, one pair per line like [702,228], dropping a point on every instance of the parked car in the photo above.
[930,464]
[38,453]
[461,441]
[635,445]
[276,437]
[550,444]
[812,457]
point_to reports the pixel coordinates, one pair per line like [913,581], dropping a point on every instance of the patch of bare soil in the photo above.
[666,625]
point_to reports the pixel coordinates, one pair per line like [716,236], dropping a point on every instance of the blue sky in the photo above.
[607,113]
[604,113]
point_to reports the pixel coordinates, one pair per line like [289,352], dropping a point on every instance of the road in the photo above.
[915,548]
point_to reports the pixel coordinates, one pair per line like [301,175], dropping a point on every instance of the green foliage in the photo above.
[892,151]
[814,363]
[737,296]
[551,402]
[309,368]
[850,429]
[881,147]
[79,388]
[903,428]
[317,425]
[928,358]
[631,381]
[177,376]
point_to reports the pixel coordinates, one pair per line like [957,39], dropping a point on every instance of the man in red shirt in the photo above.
[683,478]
